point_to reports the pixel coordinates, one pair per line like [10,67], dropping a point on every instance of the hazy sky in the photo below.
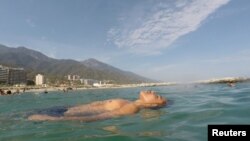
[169,40]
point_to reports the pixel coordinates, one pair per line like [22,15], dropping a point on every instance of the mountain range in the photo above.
[35,62]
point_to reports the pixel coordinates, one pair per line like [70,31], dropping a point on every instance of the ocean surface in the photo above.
[190,109]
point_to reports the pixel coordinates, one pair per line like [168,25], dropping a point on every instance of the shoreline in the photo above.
[35,89]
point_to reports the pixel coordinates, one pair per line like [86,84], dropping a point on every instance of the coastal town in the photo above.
[15,81]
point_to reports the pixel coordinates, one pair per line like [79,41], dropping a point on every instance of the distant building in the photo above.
[99,84]
[40,79]
[73,77]
[76,77]
[17,76]
[88,81]
[12,76]
[3,75]
[69,77]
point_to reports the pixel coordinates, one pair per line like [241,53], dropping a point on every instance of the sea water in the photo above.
[190,109]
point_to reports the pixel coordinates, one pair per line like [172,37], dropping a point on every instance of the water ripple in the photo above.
[191,108]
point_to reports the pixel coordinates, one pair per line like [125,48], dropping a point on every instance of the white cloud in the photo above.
[162,25]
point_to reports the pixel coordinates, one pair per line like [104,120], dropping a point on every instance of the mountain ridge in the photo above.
[36,62]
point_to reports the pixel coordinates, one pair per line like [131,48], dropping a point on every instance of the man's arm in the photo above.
[127,109]
[39,117]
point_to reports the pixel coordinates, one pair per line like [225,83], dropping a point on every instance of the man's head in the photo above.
[150,99]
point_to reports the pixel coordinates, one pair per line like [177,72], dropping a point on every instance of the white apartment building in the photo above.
[40,79]
[73,77]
